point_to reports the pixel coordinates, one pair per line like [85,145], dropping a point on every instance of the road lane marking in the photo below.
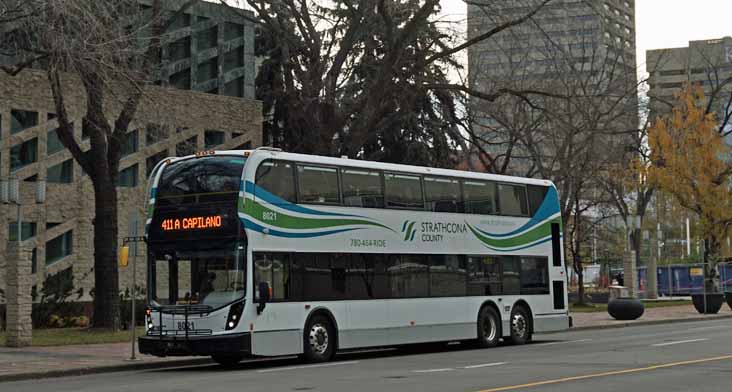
[678,342]
[605,374]
[433,370]
[307,366]
[485,365]
[567,342]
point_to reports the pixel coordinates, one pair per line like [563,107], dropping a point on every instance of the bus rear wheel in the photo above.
[520,326]
[319,339]
[489,327]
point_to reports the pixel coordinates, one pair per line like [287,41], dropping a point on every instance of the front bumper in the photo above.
[171,346]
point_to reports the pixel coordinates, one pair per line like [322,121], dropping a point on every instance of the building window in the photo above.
[53,142]
[59,247]
[234,88]
[181,80]
[186,147]
[128,177]
[180,49]
[213,138]
[180,21]
[207,38]
[207,70]
[28,231]
[62,173]
[22,119]
[233,31]
[234,59]
[129,144]
[24,154]
[155,133]
[153,160]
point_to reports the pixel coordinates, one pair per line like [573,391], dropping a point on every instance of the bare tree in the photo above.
[112,49]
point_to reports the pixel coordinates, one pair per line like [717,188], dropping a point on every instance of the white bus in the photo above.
[264,252]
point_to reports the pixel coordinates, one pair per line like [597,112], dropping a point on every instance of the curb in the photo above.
[105,369]
[643,323]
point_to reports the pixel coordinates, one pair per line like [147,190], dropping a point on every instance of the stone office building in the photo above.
[205,101]
[707,63]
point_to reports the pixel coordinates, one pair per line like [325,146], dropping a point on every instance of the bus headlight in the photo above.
[234,315]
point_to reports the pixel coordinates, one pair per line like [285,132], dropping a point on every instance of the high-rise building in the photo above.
[707,63]
[562,30]
[569,47]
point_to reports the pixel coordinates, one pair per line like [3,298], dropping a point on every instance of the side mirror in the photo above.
[265,294]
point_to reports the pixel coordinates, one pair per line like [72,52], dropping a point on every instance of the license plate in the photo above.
[183,326]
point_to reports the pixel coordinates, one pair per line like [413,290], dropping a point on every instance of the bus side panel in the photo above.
[430,320]
[367,326]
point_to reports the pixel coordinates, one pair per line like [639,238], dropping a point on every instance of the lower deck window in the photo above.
[342,276]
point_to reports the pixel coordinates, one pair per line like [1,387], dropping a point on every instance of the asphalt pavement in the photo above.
[693,356]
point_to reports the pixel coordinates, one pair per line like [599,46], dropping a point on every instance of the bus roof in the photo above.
[273,153]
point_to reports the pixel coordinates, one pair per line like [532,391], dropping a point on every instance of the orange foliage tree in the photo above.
[692,162]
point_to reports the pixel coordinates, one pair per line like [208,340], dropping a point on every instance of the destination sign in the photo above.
[192,223]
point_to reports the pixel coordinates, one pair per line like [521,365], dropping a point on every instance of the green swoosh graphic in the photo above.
[409,231]
[284,221]
[536,233]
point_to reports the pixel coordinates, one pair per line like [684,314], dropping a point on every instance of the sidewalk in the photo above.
[38,362]
[650,316]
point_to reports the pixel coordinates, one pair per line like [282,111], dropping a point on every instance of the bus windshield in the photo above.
[213,277]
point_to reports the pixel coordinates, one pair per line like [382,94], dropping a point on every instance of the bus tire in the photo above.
[227,360]
[319,339]
[489,328]
[520,324]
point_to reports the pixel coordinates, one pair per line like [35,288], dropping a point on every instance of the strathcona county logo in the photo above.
[409,230]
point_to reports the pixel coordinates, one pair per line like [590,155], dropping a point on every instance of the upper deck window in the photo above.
[480,197]
[277,178]
[317,184]
[362,188]
[200,180]
[442,194]
[512,199]
[403,191]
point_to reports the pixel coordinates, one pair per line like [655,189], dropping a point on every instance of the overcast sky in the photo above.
[659,23]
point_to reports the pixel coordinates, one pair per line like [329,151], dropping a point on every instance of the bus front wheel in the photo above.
[489,327]
[319,339]
[520,325]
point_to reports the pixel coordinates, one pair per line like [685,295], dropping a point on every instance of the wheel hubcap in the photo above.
[518,325]
[489,328]
[318,339]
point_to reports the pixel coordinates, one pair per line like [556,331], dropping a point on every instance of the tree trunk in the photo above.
[637,247]
[106,298]
[711,253]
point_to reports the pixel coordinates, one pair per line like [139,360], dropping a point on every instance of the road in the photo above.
[672,357]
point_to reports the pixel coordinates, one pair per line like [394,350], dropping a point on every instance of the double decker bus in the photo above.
[263,252]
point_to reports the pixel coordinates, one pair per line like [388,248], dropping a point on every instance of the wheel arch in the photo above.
[491,304]
[523,304]
[320,310]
